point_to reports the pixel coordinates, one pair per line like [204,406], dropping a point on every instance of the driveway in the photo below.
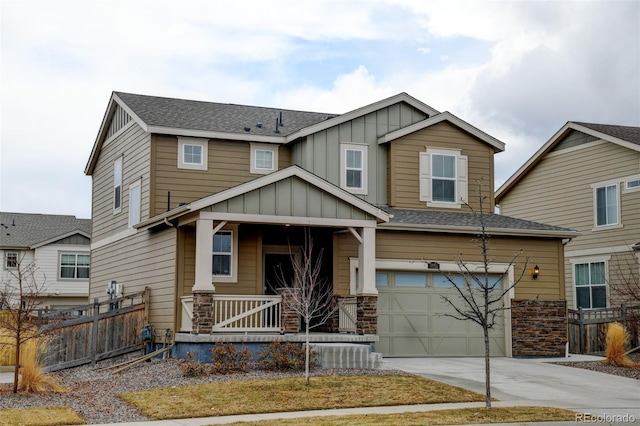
[534,382]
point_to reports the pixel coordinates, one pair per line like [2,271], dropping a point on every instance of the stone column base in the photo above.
[289,318]
[367,314]
[539,328]
[202,322]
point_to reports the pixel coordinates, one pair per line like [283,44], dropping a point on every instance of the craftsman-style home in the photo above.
[207,205]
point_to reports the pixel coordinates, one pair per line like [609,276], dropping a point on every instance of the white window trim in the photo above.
[263,147]
[590,259]
[136,184]
[627,180]
[76,254]
[461,181]
[119,161]
[6,259]
[618,223]
[233,277]
[203,143]
[364,148]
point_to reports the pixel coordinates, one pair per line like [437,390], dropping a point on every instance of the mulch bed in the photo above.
[632,373]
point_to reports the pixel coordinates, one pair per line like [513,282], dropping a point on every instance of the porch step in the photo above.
[346,355]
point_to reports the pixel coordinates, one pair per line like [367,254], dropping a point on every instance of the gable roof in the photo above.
[444,116]
[626,136]
[263,181]
[29,231]
[182,117]
[457,222]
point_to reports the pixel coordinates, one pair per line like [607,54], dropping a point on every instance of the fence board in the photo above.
[588,327]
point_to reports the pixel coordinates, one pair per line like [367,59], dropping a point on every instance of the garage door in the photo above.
[411,320]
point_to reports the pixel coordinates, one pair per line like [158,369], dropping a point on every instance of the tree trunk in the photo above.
[306,353]
[487,369]
[17,363]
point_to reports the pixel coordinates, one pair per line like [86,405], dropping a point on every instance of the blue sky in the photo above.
[518,70]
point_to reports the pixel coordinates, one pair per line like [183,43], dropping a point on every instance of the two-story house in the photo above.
[586,177]
[205,202]
[57,245]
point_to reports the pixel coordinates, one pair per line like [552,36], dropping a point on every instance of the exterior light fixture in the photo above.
[536,272]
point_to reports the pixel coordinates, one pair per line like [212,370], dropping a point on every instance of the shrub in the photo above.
[192,368]
[285,356]
[227,358]
[32,378]
[617,342]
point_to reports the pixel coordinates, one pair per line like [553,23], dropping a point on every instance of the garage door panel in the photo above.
[410,301]
[409,323]
[449,345]
[440,324]
[410,345]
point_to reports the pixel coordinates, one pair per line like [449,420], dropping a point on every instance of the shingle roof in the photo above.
[626,133]
[493,222]
[218,117]
[24,230]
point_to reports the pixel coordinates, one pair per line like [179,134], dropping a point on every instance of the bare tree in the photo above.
[480,295]
[308,293]
[20,297]
[625,286]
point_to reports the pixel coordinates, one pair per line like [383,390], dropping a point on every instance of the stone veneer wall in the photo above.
[539,328]
[289,318]
[367,314]
[202,312]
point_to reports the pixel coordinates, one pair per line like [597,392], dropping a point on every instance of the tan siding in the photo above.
[448,248]
[134,147]
[145,259]
[404,164]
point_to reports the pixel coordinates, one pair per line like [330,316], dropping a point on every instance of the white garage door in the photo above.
[411,320]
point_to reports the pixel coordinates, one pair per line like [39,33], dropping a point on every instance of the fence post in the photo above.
[94,331]
[581,328]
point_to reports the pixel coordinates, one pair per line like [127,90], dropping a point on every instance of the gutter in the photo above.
[476,230]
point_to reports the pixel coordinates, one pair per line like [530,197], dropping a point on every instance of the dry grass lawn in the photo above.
[40,416]
[268,396]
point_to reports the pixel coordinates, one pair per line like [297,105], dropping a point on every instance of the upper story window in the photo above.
[353,170]
[606,205]
[443,177]
[117,185]
[632,184]
[193,153]
[74,266]
[11,260]
[135,201]
[264,158]
[590,284]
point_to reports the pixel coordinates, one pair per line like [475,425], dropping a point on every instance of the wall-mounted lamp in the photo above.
[536,272]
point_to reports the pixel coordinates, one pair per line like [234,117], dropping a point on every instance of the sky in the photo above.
[518,70]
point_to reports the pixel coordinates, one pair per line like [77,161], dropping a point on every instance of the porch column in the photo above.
[203,288]
[367,262]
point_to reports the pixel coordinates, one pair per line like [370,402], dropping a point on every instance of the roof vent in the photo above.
[259,125]
[247,128]
[276,130]
[329,117]
[280,123]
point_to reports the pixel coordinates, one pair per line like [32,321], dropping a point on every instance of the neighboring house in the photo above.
[586,177]
[59,246]
[204,202]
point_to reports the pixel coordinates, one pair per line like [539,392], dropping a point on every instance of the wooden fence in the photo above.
[90,333]
[588,327]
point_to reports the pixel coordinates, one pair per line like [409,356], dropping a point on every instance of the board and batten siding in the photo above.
[146,259]
[404,182]
[405,245]
[558,191]
[133,145]
[319,153]
[228,165]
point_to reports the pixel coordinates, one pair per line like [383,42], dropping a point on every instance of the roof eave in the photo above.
[476,230]
[247,137]
[59,237]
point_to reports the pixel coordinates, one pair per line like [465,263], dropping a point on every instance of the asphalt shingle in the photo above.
[626,133]
[22,230]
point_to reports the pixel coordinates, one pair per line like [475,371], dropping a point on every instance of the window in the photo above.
[192,153]
[11,260]
[117,185]
[264,158]
[222,254]
[74,266]
[606,205]
[443,177]
[353,176]
[134,203]
[633,185]
[590,285]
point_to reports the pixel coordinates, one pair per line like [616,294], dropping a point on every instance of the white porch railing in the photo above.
[238,313]
[347,315]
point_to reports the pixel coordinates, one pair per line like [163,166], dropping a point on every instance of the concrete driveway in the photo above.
[535,382]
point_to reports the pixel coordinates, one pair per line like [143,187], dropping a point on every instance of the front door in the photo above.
[278,272]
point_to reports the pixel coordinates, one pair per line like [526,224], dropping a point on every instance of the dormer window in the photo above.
[443,177]
[353,170]
[264,158]
[192,153]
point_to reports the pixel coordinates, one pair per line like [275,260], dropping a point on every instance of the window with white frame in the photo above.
[74,266]
[264,158]
[590,284]
[606,205]
[353,174]
[117,185]
[135,200]
[443,177]
[633,184]
[11,260]
[193,153]
[223,254]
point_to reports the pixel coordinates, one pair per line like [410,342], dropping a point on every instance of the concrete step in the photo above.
[346,355]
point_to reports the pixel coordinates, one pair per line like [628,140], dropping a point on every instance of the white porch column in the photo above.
[367,262]
[204,256]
